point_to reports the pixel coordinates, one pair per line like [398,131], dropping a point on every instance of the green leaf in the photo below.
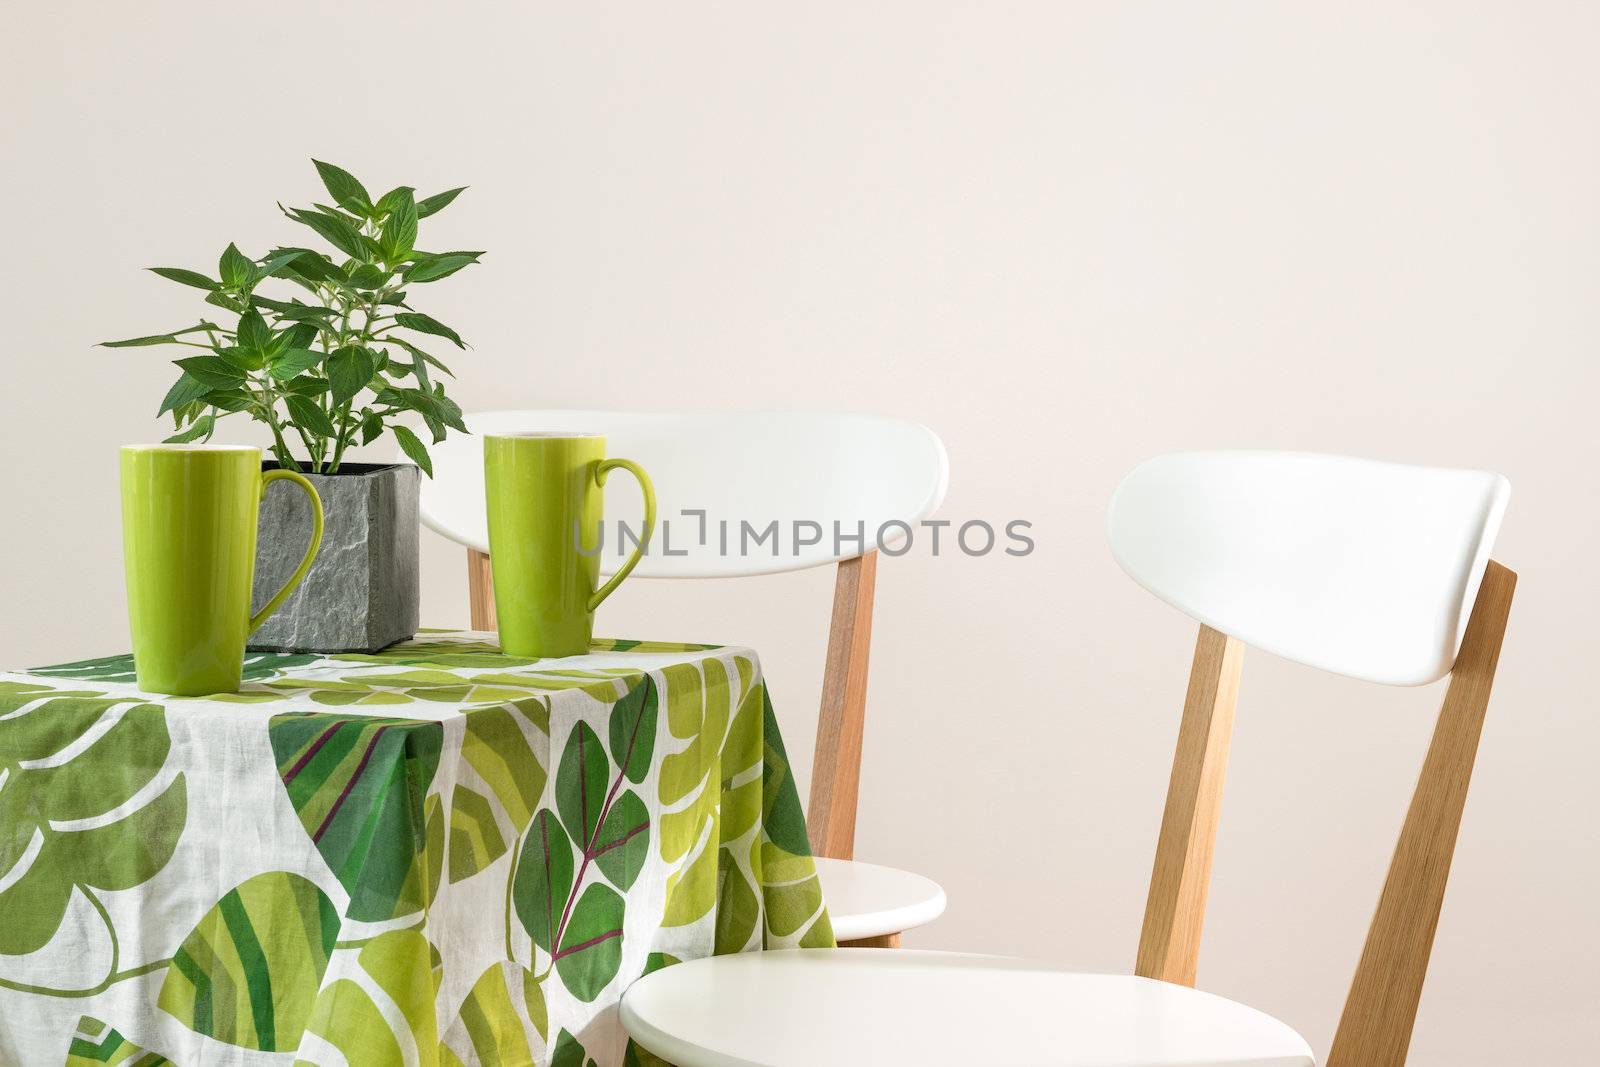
[308,416]
[293,362]
[346,191]
[157,338]
[581,783]
[387,202]
[592,942]
[413,320]
[214,371]
[371,427]
[413,448]
[254,334]
[245,361]
[273,264]
[238,979]
[400,965]
[400,228]
[366,814]
[623,844]
[544,878]
[140,342]
[368,276]
[185,390]
[335,229]
[300,335]
[67,757]
[437,202]
[200,427]
[230,399]
[633,729]
[421,355]
[223,300]
[307,384]
[236,269]
[489,1029]
[737,910]
[311,265]
[349,371]
[429,268]
[184,277]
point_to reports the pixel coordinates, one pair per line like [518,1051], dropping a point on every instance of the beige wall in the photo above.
[1067,236]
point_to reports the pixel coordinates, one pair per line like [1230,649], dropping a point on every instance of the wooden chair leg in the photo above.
[1169,944]
[1375,1028]
[480,590]
[836,769]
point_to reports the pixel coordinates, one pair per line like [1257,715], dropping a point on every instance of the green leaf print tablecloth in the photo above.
[436,855]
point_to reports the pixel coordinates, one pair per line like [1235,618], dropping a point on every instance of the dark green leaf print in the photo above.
[633,729]
[544,878]
[591,945]
[581,783]
[358,785]
[623,845]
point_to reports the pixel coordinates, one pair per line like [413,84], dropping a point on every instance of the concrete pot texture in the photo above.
[362,592]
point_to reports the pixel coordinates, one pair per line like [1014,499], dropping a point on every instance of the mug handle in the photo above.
[311,550]
[605,466]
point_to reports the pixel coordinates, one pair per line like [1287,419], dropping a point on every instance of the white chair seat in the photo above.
[870,1006]
[866,900]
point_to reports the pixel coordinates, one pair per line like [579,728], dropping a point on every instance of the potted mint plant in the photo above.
[332,360]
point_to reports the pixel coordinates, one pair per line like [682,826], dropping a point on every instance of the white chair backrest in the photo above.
[1358,567]
[794,469]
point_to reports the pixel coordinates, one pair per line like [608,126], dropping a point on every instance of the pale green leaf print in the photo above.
[697,712]
[493,1026]
[68,760]
[396,967]
[495,746]
[95,1044]
[248,973]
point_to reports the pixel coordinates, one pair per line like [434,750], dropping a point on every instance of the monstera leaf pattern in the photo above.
[356,783]
[257,665]
[84,804]
[455,812]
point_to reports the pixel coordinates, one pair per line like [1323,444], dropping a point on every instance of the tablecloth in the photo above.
[435,855]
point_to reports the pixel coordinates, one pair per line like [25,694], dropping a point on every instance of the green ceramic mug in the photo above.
[545,509]
[189,545]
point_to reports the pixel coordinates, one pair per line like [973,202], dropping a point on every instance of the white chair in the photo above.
[803,471]
[1372,570]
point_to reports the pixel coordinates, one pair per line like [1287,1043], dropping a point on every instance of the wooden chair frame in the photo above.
[841,721]
[1381,1009]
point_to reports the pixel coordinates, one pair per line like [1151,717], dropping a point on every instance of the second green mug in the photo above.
[545,505]
[189,543]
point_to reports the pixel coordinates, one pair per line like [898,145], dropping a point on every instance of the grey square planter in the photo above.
[361,593]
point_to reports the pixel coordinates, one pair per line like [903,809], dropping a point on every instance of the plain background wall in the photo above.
[1068,236]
